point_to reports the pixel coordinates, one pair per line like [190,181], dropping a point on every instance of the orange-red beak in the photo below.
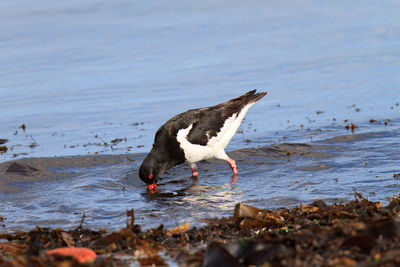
[152,188]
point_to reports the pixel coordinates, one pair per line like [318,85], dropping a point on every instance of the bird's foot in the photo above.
[194,170]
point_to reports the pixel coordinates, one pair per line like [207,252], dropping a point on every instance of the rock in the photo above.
[216,255]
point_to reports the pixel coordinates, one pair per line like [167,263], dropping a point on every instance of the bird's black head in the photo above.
[150,172]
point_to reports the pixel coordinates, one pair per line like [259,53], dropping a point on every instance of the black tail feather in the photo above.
[253,96]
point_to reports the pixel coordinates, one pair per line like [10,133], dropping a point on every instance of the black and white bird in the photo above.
[196,135]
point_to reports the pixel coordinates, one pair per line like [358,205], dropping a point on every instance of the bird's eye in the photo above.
[151,175]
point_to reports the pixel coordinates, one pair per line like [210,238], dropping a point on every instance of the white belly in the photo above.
[216,145]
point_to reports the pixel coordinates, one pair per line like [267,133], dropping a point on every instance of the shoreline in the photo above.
[356,232]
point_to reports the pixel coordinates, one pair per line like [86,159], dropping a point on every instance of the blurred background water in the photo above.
[80,74]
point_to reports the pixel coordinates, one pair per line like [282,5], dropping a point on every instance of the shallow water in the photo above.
[58,191]
[81,74]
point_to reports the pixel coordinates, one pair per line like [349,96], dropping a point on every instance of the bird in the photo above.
[196,135]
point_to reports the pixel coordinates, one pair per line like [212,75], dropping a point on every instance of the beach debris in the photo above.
[105,243]
[130,218]
[33,143]
[217,255]
[23,127]
[81,254]
[178,230]
[118,140]
[360,232]
[351,127]
[3,149]
[68,239]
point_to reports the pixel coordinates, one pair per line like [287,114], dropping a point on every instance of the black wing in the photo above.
[211,120]
[207,122]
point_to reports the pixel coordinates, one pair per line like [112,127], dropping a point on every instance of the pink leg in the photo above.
[232,163]
[194,171]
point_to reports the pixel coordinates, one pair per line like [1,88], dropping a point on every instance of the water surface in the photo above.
[81,75]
